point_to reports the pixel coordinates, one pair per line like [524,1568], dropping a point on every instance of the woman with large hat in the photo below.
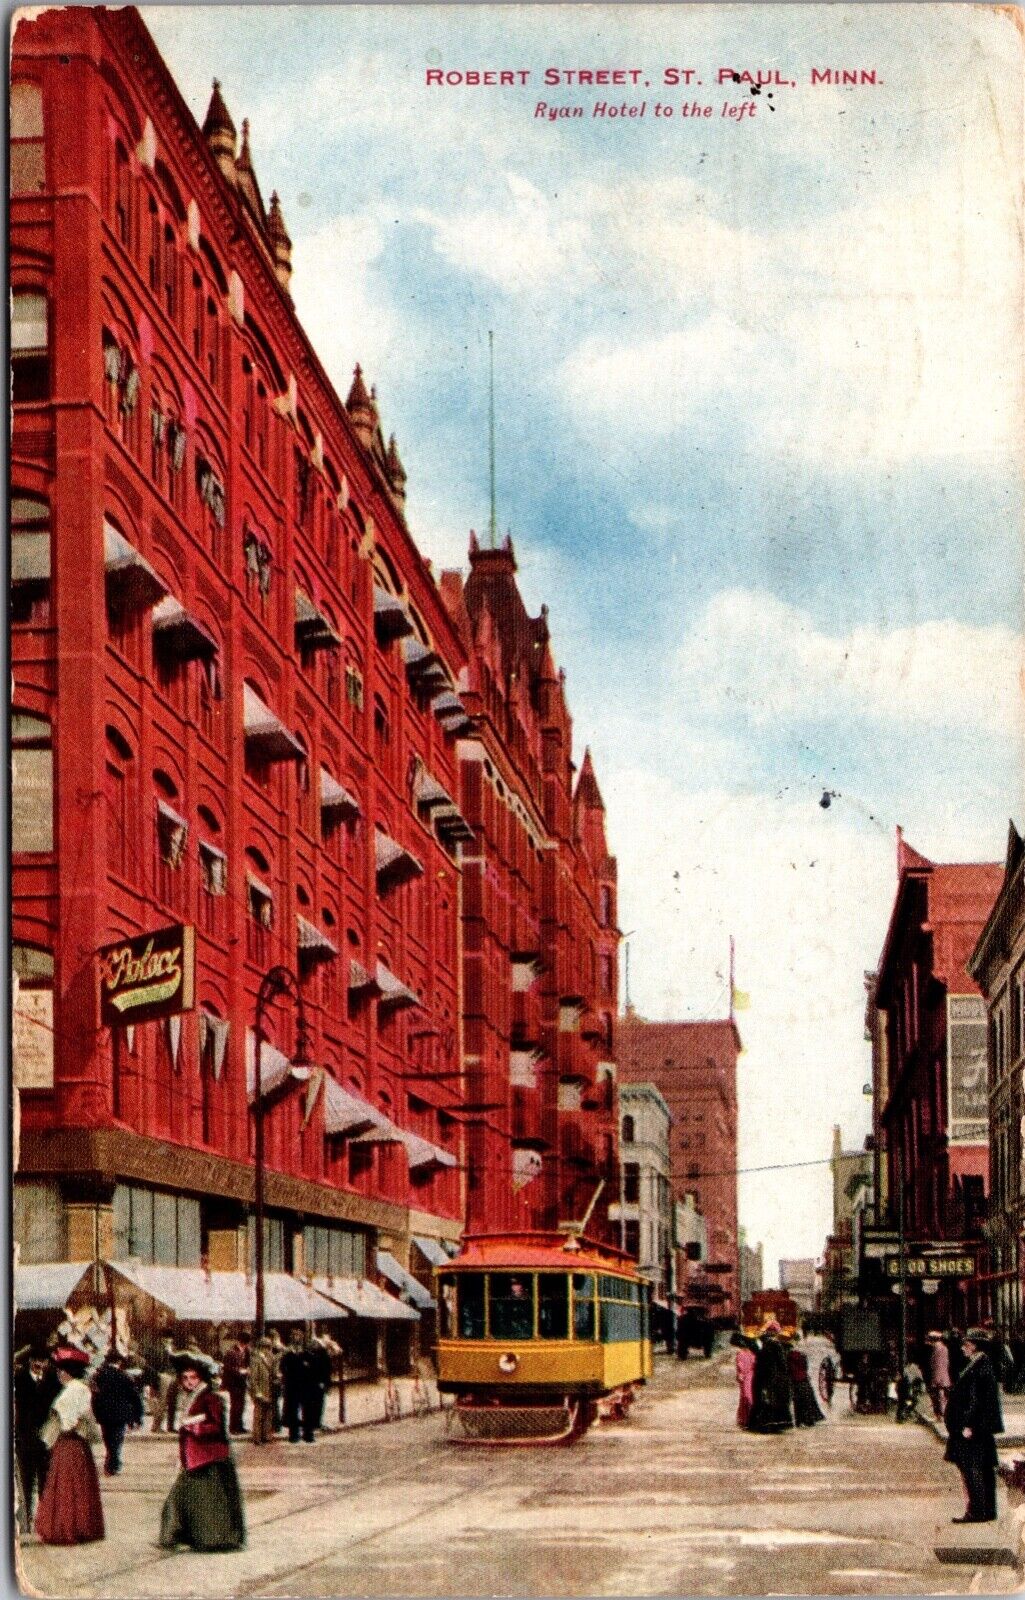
[204,1507]
[70,1510]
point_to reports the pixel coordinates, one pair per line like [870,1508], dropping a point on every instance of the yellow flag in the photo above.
[741,1000]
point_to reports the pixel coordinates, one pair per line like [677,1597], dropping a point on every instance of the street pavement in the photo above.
[675,1501]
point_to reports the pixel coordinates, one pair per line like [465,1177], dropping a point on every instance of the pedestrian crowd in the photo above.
[772,1377]
[68,1399]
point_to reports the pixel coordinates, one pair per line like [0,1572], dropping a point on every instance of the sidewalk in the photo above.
[366,1403]
[1009,1529]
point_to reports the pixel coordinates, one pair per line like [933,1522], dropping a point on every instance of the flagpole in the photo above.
[732,973]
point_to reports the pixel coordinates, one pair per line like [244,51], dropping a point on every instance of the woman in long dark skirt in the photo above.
[70,1510]
[204,1508]
[806,1407]
[773,1396]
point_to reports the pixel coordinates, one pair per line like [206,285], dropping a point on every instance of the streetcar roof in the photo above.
[538,1250]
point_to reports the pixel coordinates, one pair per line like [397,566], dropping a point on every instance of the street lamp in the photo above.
[278,981]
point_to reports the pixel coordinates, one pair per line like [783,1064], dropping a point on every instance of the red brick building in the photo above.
[935,1114]
[694,1065]
[540,936]
[234,707]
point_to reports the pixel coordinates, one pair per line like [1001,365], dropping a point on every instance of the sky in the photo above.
[758,389]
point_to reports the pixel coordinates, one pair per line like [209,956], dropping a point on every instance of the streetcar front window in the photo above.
[583,1305]
[553,1306]
[511,1305]
[471,1305]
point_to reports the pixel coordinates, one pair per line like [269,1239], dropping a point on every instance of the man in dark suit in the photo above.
[973,1420]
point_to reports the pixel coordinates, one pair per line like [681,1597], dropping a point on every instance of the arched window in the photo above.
[119,804]
[28,150]
[30,347]
[31,784]
[30,560]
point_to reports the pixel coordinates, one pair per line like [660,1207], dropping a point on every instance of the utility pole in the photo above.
[902,1266]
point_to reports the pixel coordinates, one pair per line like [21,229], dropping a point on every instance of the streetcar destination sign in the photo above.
[147,977]
[931,1266]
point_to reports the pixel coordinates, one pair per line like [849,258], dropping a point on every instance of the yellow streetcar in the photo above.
[535,1329]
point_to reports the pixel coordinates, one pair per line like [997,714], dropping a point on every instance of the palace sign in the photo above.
[150,976]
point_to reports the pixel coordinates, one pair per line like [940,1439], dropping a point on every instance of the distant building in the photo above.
[799,1277]
[752,1267]
[852,1183]
[694,1064]
[644,1212]
[998,966]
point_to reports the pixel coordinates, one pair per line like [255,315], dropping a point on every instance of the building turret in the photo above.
[362,409]
[219,132]
[396,473]
[281,244]
[246,178]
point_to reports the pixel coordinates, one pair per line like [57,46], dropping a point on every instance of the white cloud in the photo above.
[339,303]
[523,241]
[756,654]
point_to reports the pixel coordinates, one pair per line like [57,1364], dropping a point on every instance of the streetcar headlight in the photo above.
[508,1362]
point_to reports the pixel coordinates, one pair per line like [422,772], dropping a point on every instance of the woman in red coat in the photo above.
[70,1510]
[204,1507]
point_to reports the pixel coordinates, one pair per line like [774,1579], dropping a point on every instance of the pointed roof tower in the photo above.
[396,473]
[587,792]
[907,857]
[246,178]
[219,132]
[281,244]
[362,409]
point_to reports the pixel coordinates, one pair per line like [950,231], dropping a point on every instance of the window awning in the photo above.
[259,889]
[422,663]
[312,629]
[447,704]
[359,977]
[365,1299]
[393,991]
[180,634]
[431,1250]
[345,1112]
[193,1295]
[408,1286]
[392,862]
[429,792]
[275,1067]
[129,575]
[313,944]
[334,796]
[422,1153]
[47,1285]
[170,816]
[264,733]
[451,824]
[391,620]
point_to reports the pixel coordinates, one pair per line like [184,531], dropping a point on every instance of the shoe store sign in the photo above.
[148,977]
[950,1266]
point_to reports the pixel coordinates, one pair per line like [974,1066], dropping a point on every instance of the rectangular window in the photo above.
[471,1305]
[583,1305]
[31,785]
[30,560]
[28,154]
[553,1305]
[511,1305]
[30,359]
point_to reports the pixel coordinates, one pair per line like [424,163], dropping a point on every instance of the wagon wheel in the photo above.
[827,1379]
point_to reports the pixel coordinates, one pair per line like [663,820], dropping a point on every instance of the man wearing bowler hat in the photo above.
[973,1420]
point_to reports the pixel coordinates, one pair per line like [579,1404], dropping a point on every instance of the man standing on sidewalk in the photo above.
[973,1420]
[261,1390]
[235,1379]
